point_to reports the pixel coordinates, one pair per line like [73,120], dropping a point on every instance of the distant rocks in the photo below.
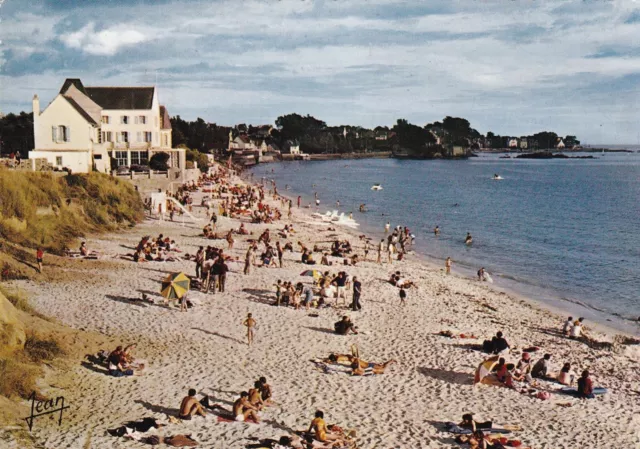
[550,155]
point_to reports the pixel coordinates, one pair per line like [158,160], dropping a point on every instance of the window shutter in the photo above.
[136,120]
[117,137]
[54,134]
[68,136]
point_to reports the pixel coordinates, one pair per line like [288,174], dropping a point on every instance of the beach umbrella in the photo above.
[315,273]
[485,368]
[175,286]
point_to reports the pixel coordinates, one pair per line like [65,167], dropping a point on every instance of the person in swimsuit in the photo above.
[319,428]
[468,240]
[255,396]
[190,406]
[362,368]
[447,265]
[265,391]
[250,323]
[243,409]
[39,257]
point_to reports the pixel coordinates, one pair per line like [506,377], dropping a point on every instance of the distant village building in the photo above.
[513,143]
[291,147]
[560,144]
[524,143]
[102,128]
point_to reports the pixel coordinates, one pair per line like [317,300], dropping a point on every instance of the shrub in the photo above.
[159,161]
[17,378]
[39,349]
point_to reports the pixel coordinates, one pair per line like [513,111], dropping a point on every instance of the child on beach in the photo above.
[278,286]
[403,296]
[39,257]
[250,323]
[447,265]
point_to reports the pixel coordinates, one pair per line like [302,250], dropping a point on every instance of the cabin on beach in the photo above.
[102,129]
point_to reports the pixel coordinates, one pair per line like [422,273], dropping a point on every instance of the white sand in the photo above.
[432,382]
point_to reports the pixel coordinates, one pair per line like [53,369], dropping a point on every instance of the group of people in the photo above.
[160,249]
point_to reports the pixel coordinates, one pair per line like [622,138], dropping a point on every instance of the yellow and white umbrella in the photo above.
[175,286]
[485,368]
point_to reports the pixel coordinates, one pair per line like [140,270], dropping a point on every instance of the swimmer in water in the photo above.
[468,240]
[436,231]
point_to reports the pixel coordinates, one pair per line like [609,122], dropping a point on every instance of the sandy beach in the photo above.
[205,348]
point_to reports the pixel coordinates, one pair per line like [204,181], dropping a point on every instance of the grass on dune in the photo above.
[51,211]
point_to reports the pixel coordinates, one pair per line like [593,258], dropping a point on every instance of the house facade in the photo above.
[102,128]
[291,147]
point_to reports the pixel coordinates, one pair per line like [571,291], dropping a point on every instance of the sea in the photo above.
[565,232]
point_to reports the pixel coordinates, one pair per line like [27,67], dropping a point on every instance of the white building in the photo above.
[102,128]
[560,144]
[291,147]
[513,143]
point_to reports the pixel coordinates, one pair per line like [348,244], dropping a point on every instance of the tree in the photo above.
[195,156]
[16,134]
[159,161]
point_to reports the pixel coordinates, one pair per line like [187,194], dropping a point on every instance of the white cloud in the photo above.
[107,41]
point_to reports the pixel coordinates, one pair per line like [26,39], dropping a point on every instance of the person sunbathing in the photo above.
[255,396]
[190,406]
[319,429]
[362,368]
[469,423]
[243,409]
[265,391]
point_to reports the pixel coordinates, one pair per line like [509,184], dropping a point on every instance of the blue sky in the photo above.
[511,67]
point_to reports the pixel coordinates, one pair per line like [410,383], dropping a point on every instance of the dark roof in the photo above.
[78,108]
[121,97]
[72,81]
[165,121]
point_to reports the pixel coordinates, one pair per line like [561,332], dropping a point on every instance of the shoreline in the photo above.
[597,318]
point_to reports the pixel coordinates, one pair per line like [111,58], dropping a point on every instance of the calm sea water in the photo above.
[566,232]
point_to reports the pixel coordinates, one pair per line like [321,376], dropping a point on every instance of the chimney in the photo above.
[36,106]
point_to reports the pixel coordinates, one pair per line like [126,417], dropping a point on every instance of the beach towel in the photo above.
[573,391]
[231,419]
[452,427]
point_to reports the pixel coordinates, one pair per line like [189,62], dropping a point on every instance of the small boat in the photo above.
[497,177]
[376,187]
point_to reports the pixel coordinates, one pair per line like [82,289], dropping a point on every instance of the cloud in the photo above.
[511,67]
[104,42]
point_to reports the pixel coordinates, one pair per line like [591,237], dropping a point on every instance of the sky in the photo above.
[513,67]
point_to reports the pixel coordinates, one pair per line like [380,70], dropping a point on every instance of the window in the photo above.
[139,136]
[124,136]
[105,119]
[107,136]
[124,120]
[121,158]
[99,136]
[139,157]
[60,133]
[156,121]
[97,156]
[166,141]
[147,137]
[58,160]
[141,119]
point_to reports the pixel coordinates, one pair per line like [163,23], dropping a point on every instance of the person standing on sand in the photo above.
[391,249]
[380,250]
[183,302]
[248,260]
[39,258]
[447,265]
[366,250]
[357,290]
[280,253]
[230,238]
[403,296]
[299,199]
[387,227]
[199,261]
[250,323]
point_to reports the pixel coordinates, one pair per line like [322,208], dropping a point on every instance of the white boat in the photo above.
[376,187]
